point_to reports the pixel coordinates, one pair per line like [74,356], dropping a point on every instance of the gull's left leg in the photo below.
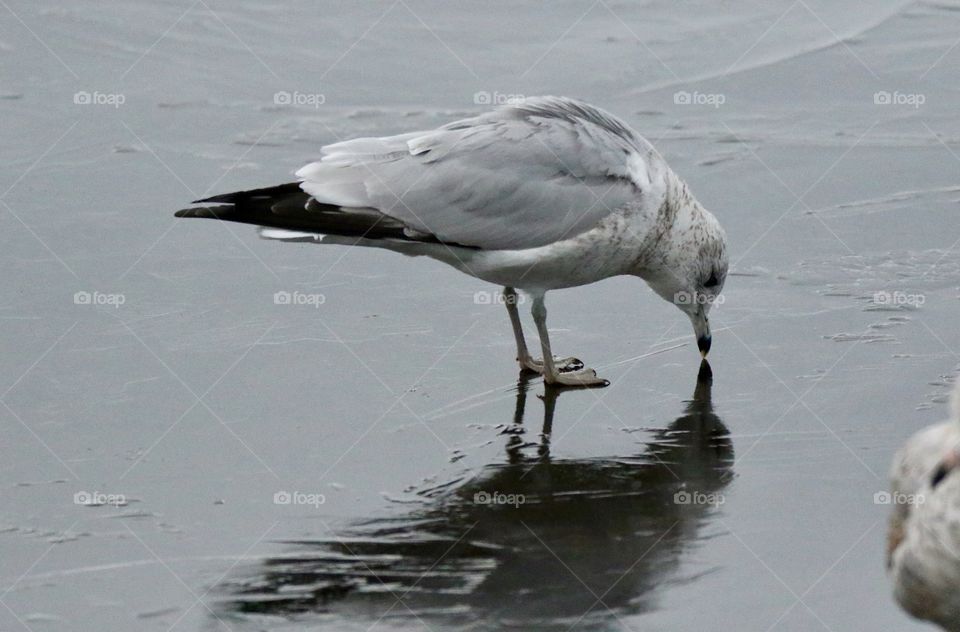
[528,362]
[551,374]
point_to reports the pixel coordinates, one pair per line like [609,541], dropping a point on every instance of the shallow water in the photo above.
[493,545]
[182,399]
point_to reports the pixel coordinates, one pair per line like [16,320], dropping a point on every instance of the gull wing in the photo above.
[519,177]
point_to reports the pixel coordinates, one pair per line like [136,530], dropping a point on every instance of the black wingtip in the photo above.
[241,197]
[223,198]
[210,212]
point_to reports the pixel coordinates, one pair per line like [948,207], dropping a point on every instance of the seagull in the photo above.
[541,194]
[923,543]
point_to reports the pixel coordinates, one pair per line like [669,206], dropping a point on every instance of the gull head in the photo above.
[950,455]
[919,469]
[690,268]
[699,291]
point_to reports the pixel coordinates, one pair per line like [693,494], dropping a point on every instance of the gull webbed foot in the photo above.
[563,365]
[584,378]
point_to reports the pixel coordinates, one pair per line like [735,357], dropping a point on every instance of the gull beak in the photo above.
[701,329]
[703,343]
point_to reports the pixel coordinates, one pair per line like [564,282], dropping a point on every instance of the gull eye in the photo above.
[939,474]
[712,281]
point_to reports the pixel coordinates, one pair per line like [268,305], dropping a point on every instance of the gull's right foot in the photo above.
[564,365]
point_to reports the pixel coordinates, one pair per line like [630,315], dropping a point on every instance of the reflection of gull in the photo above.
[530,543]
[545,194]
[924,539]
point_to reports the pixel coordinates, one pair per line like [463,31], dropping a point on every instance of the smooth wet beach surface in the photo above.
[181,450]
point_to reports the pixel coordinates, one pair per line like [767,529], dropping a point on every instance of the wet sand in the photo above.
[174,382]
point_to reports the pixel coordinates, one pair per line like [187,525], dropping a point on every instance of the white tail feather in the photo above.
[282,234]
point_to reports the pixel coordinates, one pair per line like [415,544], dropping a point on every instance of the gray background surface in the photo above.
[199,398]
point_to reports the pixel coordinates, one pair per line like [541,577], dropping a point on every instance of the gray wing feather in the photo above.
[517,177]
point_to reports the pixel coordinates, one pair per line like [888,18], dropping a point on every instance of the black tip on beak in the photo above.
[703,343]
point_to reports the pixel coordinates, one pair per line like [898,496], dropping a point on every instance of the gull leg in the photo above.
[528,362]
[523,356]
[551,375]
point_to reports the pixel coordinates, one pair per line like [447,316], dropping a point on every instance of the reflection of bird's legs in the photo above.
[527,362]
[551,374]
[549,398]
[515,440]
